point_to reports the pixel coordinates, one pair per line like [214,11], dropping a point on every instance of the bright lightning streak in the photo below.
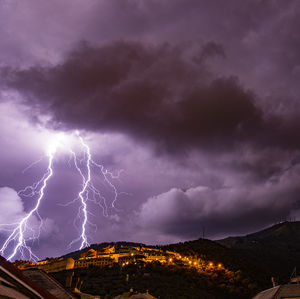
[18,233]
[89,187]
[83,194]
[18,237]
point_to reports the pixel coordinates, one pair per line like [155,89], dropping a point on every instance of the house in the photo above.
[15,285]
[290,291]
[44,280]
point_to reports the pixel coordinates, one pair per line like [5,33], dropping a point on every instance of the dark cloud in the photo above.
[237,209]
[162,93]
[220,79]
[150,92]
[210,49]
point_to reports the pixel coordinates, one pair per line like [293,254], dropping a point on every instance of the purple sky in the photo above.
[196,101]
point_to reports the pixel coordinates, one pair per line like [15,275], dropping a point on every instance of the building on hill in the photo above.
[152,256]
[56,265]
[123,254]
[105,257]
[131,259]
[97,262]
[91,253]
[108,249]
[22,265]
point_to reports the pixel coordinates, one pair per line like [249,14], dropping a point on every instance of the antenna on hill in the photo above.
[203,231]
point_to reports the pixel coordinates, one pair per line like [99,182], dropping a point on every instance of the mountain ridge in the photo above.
[248,263]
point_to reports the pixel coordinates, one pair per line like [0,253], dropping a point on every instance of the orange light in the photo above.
[190,262]
[211,264]
[170,260]
[195,263]
[219,265]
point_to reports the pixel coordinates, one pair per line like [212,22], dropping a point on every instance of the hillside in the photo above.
[277,247]
[283,234]
[247,265]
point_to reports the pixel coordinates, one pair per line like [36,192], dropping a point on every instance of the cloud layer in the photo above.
[234,208]
[212,87]
[12,212]
[10,205]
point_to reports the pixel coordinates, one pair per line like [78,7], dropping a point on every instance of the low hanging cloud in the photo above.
[184,213]
[11,206]
[12,212]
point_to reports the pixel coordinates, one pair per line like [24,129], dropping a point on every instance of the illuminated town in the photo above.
[123,255]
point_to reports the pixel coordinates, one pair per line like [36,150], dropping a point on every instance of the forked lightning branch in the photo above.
[22,233]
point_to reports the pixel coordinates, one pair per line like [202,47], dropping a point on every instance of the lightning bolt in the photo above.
[83,195]
[88,187]
[18,233]
[88,193]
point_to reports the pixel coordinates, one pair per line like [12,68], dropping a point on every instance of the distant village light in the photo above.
[111,255]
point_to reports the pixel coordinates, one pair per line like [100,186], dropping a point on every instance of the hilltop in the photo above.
[235,267]
[285,234]
[76,254]
[277,248]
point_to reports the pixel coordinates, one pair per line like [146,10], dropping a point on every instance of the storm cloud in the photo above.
[154,93]
[197,101]
[149,92]
[180,212]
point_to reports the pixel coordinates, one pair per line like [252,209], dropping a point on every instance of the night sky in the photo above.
[195,102]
